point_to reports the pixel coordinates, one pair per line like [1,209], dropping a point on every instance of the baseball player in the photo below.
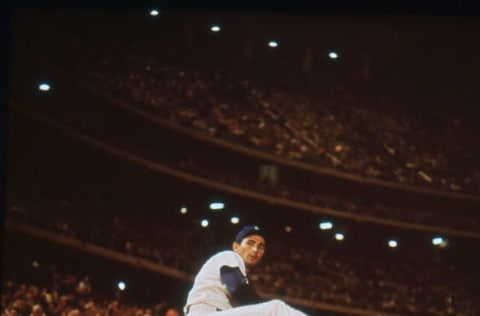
[221,287]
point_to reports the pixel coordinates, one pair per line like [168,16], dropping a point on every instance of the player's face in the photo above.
[251,249]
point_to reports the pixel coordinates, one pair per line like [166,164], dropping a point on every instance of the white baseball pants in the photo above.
[270,308]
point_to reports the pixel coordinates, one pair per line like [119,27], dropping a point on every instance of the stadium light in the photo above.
[217,206]
[184,210]
[339,236]
[204,223]
[439,242]
[44,87]
[234,220]
[392,243]
[215,28]
[273,44]
[325,225]
[121,285]
[154,12]
[333,55]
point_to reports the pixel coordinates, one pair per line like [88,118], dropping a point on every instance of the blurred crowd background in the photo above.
[124,126]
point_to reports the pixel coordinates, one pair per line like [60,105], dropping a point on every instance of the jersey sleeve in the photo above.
[237,285]
[231,259]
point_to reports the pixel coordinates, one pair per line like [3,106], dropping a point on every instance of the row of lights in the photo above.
[325,225]
[215,28]
[45,87]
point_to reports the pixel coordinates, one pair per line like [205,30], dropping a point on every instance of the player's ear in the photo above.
[235,245]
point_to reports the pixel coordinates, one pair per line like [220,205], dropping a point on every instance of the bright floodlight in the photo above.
[333,55]
[439,242]
[44,87]
[204,223]
[183,210]
[215,28]
[273,44]
[392,243]
[325,225]
[339,236]
[154,12]
[121,285]
[216,206]
[234,220]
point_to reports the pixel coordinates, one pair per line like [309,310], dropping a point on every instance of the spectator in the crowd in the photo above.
[37,310]
[172,311]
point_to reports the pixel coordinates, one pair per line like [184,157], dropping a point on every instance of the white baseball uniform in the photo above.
[209,296]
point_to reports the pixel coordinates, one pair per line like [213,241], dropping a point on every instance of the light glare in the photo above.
[333,55]
[392,243]
[339,236]
[154,12]
[215,28]
[183,210]
[204,223]
[44,87]
[439,242]
[273,44]
[235,220]
[121,285]
[325,225]
[217,206]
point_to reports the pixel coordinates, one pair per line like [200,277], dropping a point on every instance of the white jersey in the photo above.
[207,287]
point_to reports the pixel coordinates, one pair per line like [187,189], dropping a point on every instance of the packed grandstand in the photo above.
[119,158]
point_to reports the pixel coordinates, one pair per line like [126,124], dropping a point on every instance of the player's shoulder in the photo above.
[225,254]
[227,257]
[224,258]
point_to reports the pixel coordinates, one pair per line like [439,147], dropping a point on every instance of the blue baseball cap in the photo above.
[248,231]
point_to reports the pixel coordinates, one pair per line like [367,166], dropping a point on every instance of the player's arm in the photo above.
[237,285]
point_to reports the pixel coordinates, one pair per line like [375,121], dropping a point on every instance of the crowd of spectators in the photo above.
[316,276]
[340,127]
[80,121]
[343,129]
[336,127]
[317,129]
[387,145]
[64,294]
[415,283]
